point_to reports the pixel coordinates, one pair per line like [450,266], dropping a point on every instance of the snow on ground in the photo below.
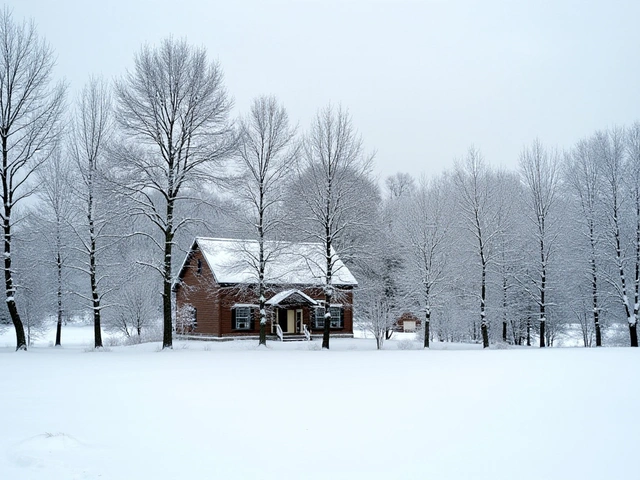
[291,411]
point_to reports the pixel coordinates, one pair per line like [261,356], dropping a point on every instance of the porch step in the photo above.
[293,337]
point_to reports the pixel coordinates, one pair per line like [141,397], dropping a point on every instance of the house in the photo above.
[216,294]
[407,322]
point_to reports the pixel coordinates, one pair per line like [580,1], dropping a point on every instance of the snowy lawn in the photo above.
[231,411]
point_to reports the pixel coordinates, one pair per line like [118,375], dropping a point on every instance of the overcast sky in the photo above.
[423,80]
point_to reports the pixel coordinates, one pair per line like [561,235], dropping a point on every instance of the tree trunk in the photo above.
[483,313]
[59,332]
[528,333]
[485,336]
[504,332]
[167,337]
[328,289]
[594,287]
[543,287]
[327,318]
[427,329]
[261,286]
[263,334]
[97,332]
[21,341]
[7,194]
[59,294]
[633,334]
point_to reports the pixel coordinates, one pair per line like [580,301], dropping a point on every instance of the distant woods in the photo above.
[102,195]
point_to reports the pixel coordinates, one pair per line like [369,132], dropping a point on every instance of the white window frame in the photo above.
[243,318]
[336,316]
[319,317]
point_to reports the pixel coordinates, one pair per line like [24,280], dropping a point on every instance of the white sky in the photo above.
[422,79]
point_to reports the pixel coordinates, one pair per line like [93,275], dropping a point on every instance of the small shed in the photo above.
[408,322]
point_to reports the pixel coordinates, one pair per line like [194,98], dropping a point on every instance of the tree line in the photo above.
[102,196]
[485,254]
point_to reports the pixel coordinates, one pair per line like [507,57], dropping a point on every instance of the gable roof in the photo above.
[234,260]
[294,294]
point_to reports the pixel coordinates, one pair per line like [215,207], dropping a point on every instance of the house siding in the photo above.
[200,290]
[213,302]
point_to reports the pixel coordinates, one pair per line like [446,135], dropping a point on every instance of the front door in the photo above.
[282,320]
[291,321]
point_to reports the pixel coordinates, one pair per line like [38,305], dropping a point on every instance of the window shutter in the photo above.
[252,319]
[233,319]
[342,317]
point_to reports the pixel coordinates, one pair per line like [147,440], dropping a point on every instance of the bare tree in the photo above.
[472,180]
[137,309]
[582,173]
[509,256]
[55,213]
[265,153]
[423,227]
[540,173]
[174,107]
[331,172]
[400,185]
[632,140]
[610,148]
[92,128]
[30,111]
[378,314]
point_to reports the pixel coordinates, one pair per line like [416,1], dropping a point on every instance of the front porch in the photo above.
[291,315]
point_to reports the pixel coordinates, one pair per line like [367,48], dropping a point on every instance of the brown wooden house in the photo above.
[216,294]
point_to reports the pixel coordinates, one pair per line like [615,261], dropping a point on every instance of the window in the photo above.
[243,318]
[199,266]
[337,317]
[319,317]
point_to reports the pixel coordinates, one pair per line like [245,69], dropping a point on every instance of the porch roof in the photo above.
[278,298]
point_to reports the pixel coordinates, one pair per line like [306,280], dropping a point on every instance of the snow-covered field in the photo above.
[232,411]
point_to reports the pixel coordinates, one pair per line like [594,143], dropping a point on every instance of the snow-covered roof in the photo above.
[234,260]
[279,297]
